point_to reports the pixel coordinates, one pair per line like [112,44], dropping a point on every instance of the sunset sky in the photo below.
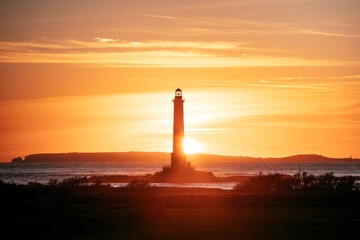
[260,78]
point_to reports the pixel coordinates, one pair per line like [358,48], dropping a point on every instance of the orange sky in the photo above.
[260,78]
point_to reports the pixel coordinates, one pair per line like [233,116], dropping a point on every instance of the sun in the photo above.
[192,146]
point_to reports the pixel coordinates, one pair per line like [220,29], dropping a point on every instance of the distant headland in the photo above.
[163,157]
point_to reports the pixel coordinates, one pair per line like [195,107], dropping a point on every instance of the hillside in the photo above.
[161,157]
[99,157]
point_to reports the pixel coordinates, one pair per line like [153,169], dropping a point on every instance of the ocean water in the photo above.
[22,173]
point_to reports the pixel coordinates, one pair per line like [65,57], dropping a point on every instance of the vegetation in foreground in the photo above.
[304,181]
[260,208]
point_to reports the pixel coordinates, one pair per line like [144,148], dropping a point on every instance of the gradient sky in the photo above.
[260,78]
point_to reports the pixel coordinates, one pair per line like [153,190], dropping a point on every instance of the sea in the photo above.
[23,173]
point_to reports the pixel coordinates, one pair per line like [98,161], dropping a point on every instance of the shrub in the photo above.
[346,183]
[267,183]
[53,182]
[327,182]
[73,182]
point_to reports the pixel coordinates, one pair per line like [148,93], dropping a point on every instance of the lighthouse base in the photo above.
[183,175]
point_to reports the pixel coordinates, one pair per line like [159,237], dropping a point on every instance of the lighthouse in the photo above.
[178,157]
[180,170]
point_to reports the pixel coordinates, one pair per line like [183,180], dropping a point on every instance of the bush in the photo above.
[346,183]
[325,182]
[309,181]
[74,182]
[268,183]
[53,182]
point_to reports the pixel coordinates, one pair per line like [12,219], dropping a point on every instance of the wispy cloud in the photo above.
[115,45]
[105,40]
[148,53]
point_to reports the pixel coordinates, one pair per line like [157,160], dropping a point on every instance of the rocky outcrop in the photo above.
[185,176]
[17,160]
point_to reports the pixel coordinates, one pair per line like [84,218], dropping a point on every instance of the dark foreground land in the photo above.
[69,210]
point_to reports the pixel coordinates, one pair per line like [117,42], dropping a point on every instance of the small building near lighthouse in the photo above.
[181,170]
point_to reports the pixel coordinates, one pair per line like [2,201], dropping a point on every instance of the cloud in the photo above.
[312,31]
[152,54]
[105,40]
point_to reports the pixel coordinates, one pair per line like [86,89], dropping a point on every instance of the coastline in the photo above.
[199,158]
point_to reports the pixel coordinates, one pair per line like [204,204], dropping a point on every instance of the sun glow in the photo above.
[192,146]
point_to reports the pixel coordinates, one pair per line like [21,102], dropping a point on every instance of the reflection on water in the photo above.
[222,185]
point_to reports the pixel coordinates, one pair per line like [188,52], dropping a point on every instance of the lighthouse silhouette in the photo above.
[179,165]
[178,157]
[180,170]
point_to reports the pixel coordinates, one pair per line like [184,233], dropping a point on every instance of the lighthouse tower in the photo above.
[180,170]
[178,157]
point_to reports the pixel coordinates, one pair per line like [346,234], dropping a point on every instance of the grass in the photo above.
[245,223]
[75,211]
